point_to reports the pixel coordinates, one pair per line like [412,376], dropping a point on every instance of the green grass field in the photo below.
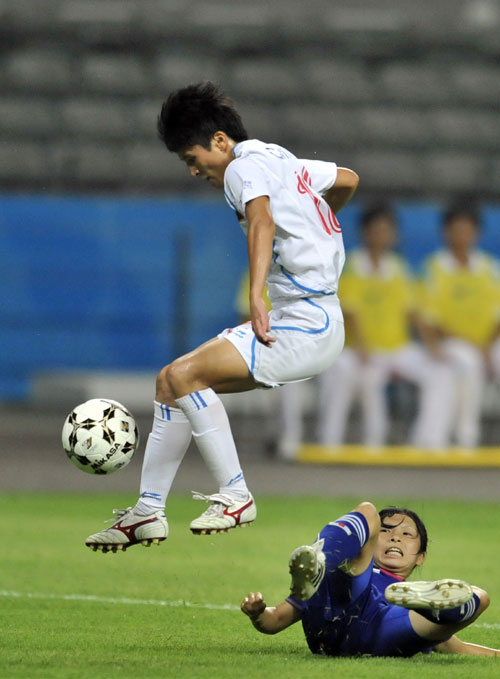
[171,611]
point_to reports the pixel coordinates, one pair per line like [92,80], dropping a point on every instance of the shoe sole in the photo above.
[439,594]
[113,547]
[212,531]
[302,566]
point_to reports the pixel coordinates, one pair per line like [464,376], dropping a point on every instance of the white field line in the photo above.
[153,602]
[110,600]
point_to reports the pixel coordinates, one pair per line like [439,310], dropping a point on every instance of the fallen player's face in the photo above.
[398,545]
[209,164]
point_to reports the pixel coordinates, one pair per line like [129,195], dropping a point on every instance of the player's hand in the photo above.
[260,322]
[253,605]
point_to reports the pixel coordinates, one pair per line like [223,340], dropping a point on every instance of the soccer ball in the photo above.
[100,436]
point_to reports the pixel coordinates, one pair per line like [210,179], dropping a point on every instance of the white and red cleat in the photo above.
[130,529]
[224,513]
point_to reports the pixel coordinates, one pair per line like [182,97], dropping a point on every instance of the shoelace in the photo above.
[219,502]
[118,514]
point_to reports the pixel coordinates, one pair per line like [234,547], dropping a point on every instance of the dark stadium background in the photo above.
[113,260]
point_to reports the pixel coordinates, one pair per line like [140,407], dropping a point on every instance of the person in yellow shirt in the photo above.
[461,305]
[378,298]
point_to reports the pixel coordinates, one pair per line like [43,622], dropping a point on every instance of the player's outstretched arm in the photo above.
[454,645]
[343,190]
[269,619]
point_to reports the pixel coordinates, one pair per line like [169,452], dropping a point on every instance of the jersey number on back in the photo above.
[328,219]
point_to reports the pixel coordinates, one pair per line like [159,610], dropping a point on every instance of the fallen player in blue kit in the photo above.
[350,591]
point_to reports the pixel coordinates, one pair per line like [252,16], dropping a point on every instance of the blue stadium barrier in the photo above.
[129,283]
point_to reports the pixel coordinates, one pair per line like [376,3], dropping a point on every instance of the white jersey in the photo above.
[308,251]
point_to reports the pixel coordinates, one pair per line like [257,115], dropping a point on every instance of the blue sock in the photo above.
[344,539]
[452,615]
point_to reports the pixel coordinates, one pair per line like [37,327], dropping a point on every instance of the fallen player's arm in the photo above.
[269,619]
[343,190]
[454,645]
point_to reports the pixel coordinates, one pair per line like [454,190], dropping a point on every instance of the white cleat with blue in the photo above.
[438,594]
[307,568]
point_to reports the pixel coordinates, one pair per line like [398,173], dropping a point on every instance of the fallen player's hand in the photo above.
[253,605]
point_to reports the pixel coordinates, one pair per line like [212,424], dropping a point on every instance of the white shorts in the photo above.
[309,336]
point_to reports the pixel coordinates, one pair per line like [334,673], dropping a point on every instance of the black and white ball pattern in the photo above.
[100,436]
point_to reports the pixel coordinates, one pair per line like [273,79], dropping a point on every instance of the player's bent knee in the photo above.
[163,391]
[178,374]
[484,598]
[371,515]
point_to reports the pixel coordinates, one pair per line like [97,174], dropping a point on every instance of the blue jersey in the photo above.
[349,616]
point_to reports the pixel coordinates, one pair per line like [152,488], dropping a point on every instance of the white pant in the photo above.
[468,364]
[349,377]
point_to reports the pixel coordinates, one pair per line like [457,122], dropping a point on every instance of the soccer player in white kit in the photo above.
[286,207]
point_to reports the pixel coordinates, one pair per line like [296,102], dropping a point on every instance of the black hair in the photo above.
[461,211]
[192,115]
[375,212]
[387,512]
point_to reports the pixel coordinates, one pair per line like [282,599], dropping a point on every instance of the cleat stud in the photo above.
[405,589]
[404,600]
[156,541]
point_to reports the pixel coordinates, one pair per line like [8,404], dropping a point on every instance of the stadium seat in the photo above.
[331,80]
[145,115]
[466,128]
[453,171]
[394,126]
[114,74]
[380,169]
[31,16]
[269,79]
[478,82]
[158,19]
[153,164]
[98,21]
[22,160]
[88,165]
[327,124]
[28,117]
[264,121]
[38,70]
[413,82]
[171,70]
[96,118]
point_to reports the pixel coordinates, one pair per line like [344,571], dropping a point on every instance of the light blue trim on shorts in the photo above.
[294,328]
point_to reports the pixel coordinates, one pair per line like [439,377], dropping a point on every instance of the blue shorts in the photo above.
[349,616]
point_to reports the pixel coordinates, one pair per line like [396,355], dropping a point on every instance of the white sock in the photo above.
[212,433]
[167,444]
